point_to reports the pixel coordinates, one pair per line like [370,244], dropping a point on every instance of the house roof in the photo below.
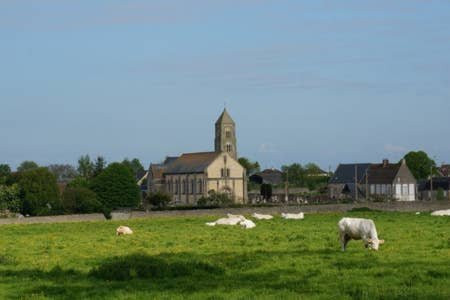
[271,176]
[444,170]
[191,163]
[225,118]
[345,173]
[383,173]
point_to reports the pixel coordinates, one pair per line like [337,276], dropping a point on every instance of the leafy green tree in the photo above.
[266,191]
[116,187]
[39,192]
[27,165]
[251,167]
[295,174]
[80,200]
[312,169]
[10,198]
[79,182]
[5,172]
[159,199]
[134,165]
[85,166]
[99,165]
[63,172]
[420,164]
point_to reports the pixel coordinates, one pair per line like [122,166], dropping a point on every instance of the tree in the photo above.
[134,165]
[5,172]
[295,174]
[266,191]
[39,192]
[420,164]
[27,165]
[80,200]
[85,166]
[116,187]
[251,167]
[10,198]
[79,182]
[159,199]
[312,169]
[99,165]
[63,172]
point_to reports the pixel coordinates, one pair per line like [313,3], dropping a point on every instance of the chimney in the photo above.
[385,162]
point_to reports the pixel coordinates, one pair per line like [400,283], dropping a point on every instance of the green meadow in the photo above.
[180,257]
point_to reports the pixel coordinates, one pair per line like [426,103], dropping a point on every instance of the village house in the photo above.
[385,180]
[191,176]
[430,189]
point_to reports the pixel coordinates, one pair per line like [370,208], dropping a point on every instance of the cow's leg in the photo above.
[344,240]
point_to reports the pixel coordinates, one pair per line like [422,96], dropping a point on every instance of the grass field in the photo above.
[180,257]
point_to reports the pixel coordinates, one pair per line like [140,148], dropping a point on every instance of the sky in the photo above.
[306,81]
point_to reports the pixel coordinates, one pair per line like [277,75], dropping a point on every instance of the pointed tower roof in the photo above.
[225,118]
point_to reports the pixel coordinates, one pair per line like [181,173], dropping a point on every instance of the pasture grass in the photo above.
[180,257]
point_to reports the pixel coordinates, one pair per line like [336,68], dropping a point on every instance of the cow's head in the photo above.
[374,243]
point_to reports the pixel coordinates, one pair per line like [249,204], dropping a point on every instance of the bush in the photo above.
[79,182]
[215,199]
[39,192]
[159,199]
[10,198]
[116,187]
[440,194]
[80,200]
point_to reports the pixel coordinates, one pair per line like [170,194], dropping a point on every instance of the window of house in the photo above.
[372,189]
[383,189]
[222,172]
[183,187]
[177,183]
[405,190]
[228,133]
[228,172]
[199,187]
[192,186]
[229,148]
[378,189]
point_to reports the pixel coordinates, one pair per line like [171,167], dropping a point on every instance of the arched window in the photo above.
[228,172]
[228,133]
[222,172]
[183,187]
[192,186]
[229,148]
[177,186]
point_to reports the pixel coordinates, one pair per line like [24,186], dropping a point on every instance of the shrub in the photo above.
[159,199]
[116,187]
[215,199]
[10,198]
[440,194]
[80,200]
[79,182]
[39,192]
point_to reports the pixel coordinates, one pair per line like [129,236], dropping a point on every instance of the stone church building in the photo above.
[191,176]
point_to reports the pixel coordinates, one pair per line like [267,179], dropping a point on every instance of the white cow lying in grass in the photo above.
[359,229]
[441,213]
[233,220]
[299,216]
[262,217]
[124,230]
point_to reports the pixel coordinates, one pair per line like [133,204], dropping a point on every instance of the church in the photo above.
[190,176]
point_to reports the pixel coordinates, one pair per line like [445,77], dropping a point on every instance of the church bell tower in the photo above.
[226,135]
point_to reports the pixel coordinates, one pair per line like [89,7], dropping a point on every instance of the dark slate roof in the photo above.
[225,118]
[189,163]
[270,176]
[440,182]
[383,173]
[349,189]
[345,173]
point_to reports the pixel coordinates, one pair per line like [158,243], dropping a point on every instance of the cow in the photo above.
[299,216]
[229,220]
[441,213]
[247,224]
[124,230]
[262,217]
[359,229]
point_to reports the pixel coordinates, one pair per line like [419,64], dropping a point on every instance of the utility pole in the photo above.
[367,184]
[286,187]
[431,182]
[356,182]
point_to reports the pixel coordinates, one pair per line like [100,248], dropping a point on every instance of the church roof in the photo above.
[189,163]
[225,118]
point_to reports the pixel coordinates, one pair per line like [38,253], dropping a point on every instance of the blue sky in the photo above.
[322,81]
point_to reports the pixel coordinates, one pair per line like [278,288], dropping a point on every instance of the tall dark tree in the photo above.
[134,165]
[116,187]
[266,191]
[99,165]
[420,164]
[5,172]
[295,174]
[251,167]
[40,192]
[85,166]
[63,172]
[27,165]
